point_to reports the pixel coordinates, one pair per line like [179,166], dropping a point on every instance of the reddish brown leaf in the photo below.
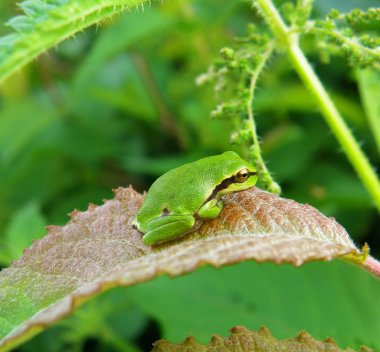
[244,340]
[98,249]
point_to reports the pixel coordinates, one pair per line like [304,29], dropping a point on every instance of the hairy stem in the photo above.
[332,116]
[372,265]
[275,188]
[339,37]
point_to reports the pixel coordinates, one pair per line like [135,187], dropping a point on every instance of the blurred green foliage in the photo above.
[118,105]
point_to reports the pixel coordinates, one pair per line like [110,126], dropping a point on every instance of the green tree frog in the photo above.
[180,200]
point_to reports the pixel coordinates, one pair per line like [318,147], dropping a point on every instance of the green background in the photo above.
[118,105]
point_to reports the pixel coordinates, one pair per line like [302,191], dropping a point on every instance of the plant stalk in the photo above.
[332,116]
[254,75]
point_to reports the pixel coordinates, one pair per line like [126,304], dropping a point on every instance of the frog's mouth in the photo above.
[231,184]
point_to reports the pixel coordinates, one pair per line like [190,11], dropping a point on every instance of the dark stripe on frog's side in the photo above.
[224,184]
[165,212]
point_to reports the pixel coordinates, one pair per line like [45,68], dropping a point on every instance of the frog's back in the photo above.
[186,188]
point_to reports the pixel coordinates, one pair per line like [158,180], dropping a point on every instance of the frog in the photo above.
[180,200]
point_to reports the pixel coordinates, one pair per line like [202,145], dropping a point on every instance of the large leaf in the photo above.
[244,340]
[46,23]
[98,249]
[317,297]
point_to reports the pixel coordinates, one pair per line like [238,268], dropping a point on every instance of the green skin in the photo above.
[177,200]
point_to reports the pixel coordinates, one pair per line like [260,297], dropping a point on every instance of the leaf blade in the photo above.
[242,339]
[44,25]
[98,249]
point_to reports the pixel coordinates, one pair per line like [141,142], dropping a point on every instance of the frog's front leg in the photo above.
[211,209]
[167,228]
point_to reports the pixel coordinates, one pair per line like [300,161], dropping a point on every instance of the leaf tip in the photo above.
[216,340]
[125,192]
[303,336]
[238,329]
[190,340]
[365,250]
[330,341]
[74,214]
[53,229]
[358,257]
[264,331]
[91,207]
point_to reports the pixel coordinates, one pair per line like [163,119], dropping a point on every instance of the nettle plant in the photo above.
[47,284]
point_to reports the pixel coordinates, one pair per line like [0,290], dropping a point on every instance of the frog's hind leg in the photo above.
[211,210]
[168,228]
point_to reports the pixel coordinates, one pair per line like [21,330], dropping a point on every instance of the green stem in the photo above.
[340,38]
[114,340]
[274,187]
[329,111]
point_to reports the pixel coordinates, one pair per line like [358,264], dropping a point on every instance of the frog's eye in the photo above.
[242,176]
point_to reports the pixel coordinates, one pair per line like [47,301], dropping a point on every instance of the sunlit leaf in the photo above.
[45,24]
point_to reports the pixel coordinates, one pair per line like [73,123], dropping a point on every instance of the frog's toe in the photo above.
[136,225]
